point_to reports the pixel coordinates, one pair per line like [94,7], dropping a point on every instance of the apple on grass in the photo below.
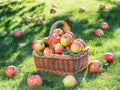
[53,10]
[18,33]
[109,57]
[69,81]
[95,66]
[98,32]
[34,80]
[104,25]
[39,21]
[102,6]
[82,9]
[106,9]
[11,71]
[29,19]
[59,31]
[70,19]
[58,48]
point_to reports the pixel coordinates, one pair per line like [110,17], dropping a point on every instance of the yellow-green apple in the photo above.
[98,32]
[55,38]
[39,21]
[46,50]
[102,6]
[104,25]
[58,48]
[34,80]
[70,19]
[95,66]
[82,9]
[59,31]
[29,19]
[65,40]
[73,36]
[69,81]
[76,47]
[53,10]
[109,57]
[18,33]
[11,71]
[82,43]
[38,45]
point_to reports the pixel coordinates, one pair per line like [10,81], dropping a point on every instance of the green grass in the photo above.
[18,51]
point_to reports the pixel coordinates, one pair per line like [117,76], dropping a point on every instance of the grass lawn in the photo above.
[18,51]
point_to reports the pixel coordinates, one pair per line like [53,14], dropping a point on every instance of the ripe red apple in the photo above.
[59,31]
[109,57]
[69,81]
[95,66]
[53,10]
[56,38]
[47,40]
[104,25]
[82,9]
[39,21]
[73,36]
[29,19]
[11,71]
[102,6]
[70,19]
[65,40]
[98,32]
[76,47]
[58,48]
[82,43]
[46,50]
[34,80]
[38,45]
[18,33]
[106,9]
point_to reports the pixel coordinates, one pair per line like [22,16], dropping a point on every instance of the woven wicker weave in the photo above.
[61,64]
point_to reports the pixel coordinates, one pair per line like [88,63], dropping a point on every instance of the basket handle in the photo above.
[67,29]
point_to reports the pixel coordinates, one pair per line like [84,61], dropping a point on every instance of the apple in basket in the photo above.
[70,19]
[98,32]
[69,81]
[65,40]
[73,36]
[46,50]
[47,40]
[58,48]
[104,25]
[109,57]
[11,71]
[76,47]
[82,43]
[38,45]
[29,19]
[59,31]
[34,80]
[53,10]
[95,66]
[82,9]
[55,38]
[18,33]
[39,21]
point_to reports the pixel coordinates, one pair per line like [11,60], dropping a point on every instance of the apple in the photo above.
[104,25]
[55,38]
[70,19]
[98,32]
[76,47]
[39,21]
[82,43]
[95,66]
[58,48]
[73,36]
[46,50]
[47,40]
[59,31]
[29,19]
[11,71]
[109,57]
[65,40]
[34,80]
[18,33]
[38,45]
[106,9]
[69,81]
[102,6]
[82,9]
[53,10]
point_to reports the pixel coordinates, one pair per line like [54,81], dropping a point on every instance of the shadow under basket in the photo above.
[61,64]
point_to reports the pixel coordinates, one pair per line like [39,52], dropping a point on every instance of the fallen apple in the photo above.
[53,10]
[98,32]
[104,25]
[106,9]
[29,19]
[109,57]
[102,6]
[82,9]
[70,19]
[39,21]
[18,33]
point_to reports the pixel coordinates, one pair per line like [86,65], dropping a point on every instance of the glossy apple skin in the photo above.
[98,32]
[39,21]
[38,45]
[70,19]
[47,50]
[59,31]
[29,19]
[55,38]
[18,33]
[104,25]
[109,57]
[53,10]
[58,49]
[11,71]
[34,80]
[69,81]
[95,66]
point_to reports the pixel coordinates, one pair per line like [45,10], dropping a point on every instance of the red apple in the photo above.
[65,40]
[29,19]
[69,81]
[39,21]
[98,32]
[59,31]
[102,6]
[95,66]
[82,43]
[104,25]
[46,50]
[82,9]
[58,49]
[47,40]
[11,71]
[34,80]
[106,9]
[73,36]
[109,57]
[56,38]
[53,10]
[18,33]
[76,47]
[70,19]
[38,45]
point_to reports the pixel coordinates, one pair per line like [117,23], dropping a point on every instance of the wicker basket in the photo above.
[61,64]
